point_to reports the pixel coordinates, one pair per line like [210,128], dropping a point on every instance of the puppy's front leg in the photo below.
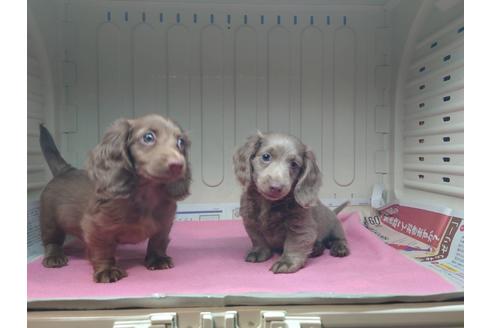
[156,257]
[298,244]
[101,256]
[260,252]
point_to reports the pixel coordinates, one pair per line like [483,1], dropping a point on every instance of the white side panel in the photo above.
[432,113]
[148,62]
[212,105]
[312,90]
[178,78]
[344,104]
[246,95]
[224,73]
[279,79]
[40,92]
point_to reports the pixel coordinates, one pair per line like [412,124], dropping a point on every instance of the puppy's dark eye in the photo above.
[149,138]
[294,165]
[266,157]
[180,143]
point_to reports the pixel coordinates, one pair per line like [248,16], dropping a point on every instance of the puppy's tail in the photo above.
[51,154]
[341,207]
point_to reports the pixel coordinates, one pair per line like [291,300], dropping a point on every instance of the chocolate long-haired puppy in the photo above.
[128,193]
[279,205]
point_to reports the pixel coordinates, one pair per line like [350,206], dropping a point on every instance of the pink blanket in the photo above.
[208,258]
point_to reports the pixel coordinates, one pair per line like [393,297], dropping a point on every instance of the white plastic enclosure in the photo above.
[375,88]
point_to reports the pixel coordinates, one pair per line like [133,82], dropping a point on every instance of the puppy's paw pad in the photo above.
[55,261]
[285,266]
[111,274]
[339,249]
[260,255]
[159,263]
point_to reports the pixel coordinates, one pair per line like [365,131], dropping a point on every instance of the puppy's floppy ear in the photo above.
[110,164]
[242,159]
[307,188]
[179,189]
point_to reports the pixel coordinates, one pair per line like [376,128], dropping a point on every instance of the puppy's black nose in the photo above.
[176,168]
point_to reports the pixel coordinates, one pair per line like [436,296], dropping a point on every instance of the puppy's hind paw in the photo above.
[158,262]
[339,249]
[55,261]
[111,274]
[258,255]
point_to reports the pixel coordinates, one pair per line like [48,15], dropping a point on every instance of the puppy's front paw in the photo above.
[55,261]
[285,265]
[339,249]
[158,262]
[258,255]
[110,274]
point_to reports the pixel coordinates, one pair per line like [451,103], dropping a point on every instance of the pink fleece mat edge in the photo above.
[208,259]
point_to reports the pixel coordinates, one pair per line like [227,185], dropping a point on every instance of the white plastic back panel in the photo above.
[433,116]
[224,72]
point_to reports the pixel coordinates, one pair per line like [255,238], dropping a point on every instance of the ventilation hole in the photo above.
[311,20]
[446,58]
[161,17]
[211,18]
[262,19]
[108,16]
[421,141]
[327,20]
[178,18]
[422,87]
[126,16]
[421,123]
[446,159]
[446,139]
[228,19]
[446,78]
[144,17]
[421,105]
[195,18]
[295,20]
[278,20]
[434,44]
[421,158]
[460,30]
[446,179]
[344,20]
[446,118]
[447,98]
[245,19]
[421,176]
[422,69]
